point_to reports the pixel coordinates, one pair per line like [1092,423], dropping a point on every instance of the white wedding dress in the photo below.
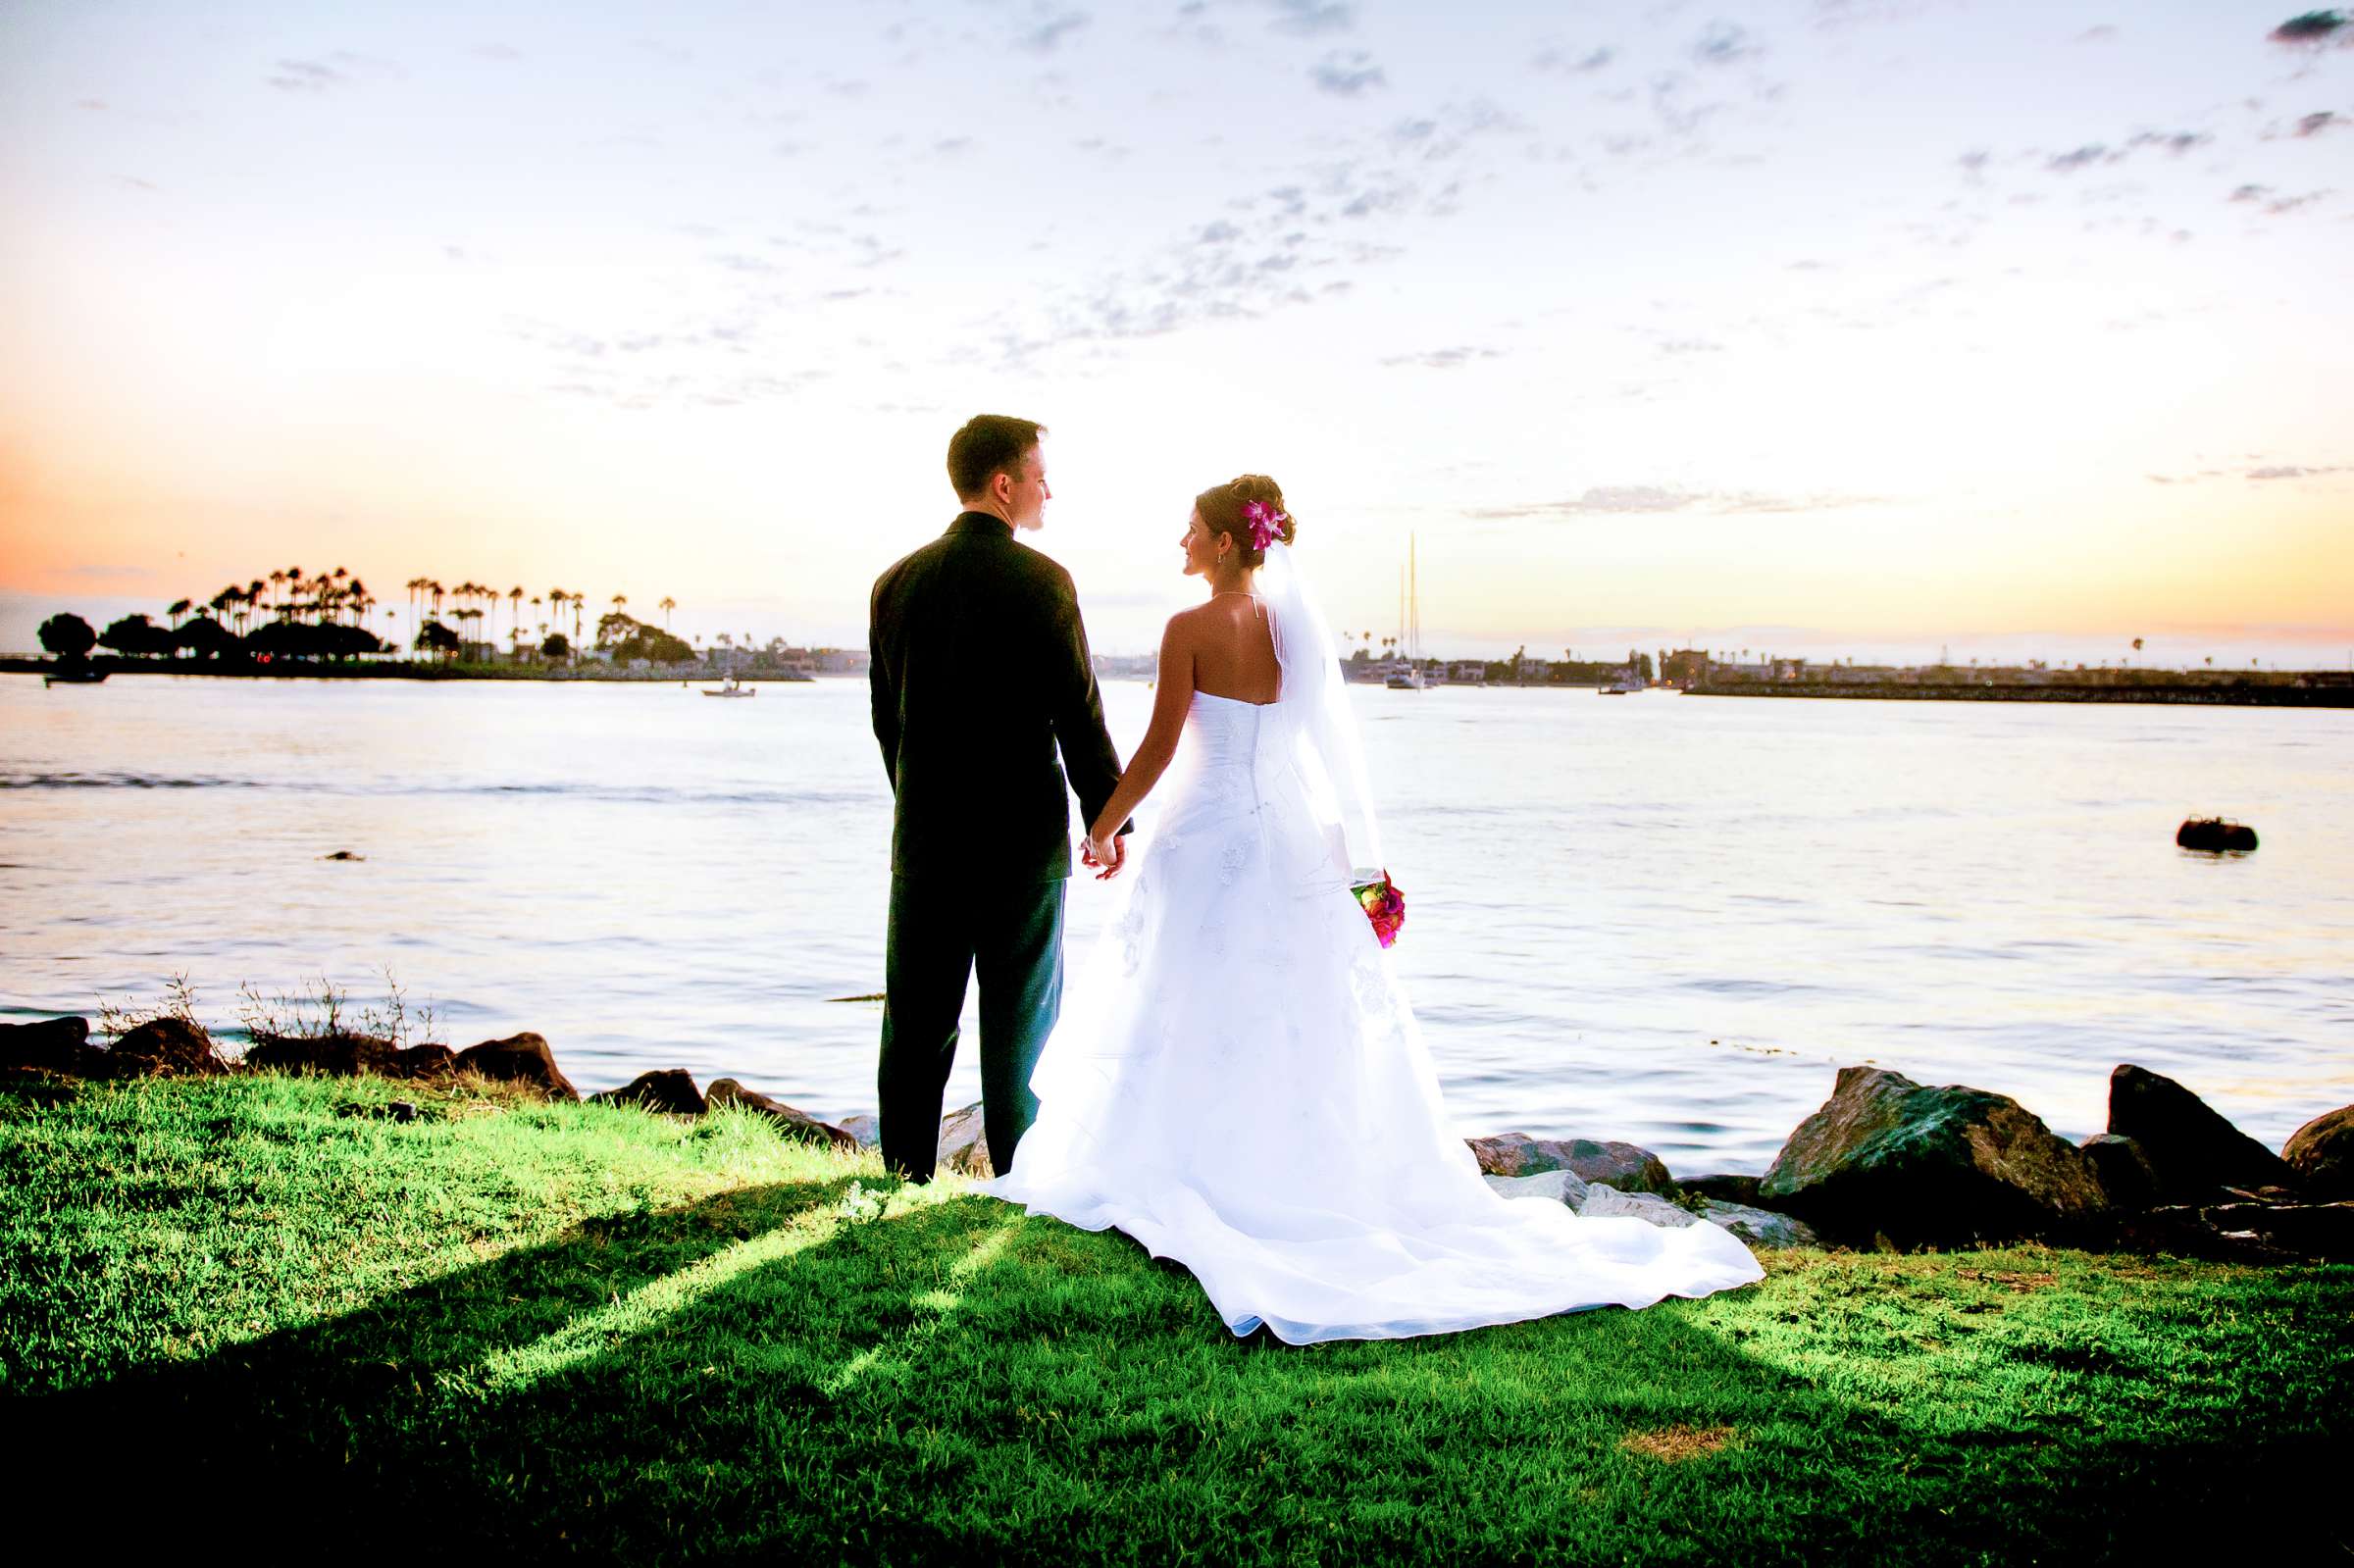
[1237,1081]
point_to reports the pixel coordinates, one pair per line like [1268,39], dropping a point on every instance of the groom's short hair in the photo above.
[988,444]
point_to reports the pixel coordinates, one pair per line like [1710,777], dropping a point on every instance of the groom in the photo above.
[980,672]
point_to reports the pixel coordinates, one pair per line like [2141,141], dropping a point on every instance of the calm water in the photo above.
[1659,918]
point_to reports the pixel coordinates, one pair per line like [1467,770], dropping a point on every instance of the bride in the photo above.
[1237,1081]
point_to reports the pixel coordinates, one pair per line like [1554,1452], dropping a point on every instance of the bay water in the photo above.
[1660,918]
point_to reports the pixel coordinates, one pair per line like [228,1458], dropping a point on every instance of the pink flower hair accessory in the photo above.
[1263,520]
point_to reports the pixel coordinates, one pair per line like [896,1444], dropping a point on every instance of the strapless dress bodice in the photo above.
[1223,732]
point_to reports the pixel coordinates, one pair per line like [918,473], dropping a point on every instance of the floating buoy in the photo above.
[2216,833]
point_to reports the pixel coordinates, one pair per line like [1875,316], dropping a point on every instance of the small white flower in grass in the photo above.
[859,1205]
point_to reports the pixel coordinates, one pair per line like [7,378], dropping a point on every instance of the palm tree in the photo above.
[578,600]
[179,607]
[667,605]
[515,614]
[2137,644]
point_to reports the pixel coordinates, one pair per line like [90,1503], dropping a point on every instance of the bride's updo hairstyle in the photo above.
[1221,508]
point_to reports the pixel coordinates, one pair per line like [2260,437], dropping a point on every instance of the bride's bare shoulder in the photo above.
[1186,625]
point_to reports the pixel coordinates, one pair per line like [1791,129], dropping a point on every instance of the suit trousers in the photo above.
[941,931]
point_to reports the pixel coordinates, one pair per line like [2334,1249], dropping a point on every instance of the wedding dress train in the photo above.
[1237,1083]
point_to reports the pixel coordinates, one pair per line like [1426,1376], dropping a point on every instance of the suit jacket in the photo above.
[980,672]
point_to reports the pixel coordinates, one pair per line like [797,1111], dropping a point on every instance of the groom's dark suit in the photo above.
[980,672]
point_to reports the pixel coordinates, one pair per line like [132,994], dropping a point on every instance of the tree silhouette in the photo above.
[437,639]
[69,636]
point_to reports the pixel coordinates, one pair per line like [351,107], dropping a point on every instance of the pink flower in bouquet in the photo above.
[1384,905]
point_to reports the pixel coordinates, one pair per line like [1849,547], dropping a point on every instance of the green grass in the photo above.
[574,1329]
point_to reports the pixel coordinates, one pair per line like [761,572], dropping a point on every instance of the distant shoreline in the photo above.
[2280,696]
[2274,694]
[403,670]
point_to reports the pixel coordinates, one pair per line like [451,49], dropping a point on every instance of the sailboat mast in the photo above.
[1413,598]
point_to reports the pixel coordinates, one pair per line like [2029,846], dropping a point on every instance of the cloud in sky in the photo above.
[1573,62]
[1045,33]
[1347,72]
[1724,43]
[2271,202]
[2290,472]
[2083,157]
[342,68]
[1307,18]
[1638,500]
[2313,28]
[2262,473]
[1443,359]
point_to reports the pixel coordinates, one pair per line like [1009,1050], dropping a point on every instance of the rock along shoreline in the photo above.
[1884,1163]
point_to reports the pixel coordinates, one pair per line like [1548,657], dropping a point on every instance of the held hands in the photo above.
[1105,850]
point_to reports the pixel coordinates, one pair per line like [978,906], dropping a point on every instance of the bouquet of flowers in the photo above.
[1384,905]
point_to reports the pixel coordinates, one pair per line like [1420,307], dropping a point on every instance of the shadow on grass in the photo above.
[786,1369]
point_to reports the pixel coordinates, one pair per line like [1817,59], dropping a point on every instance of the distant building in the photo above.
[1466,672]
[1127,666]
[1684,667]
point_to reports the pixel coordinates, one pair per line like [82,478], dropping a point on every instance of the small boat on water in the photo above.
[2215,834]
[1627,686]
[79,675]
[1409,675]
[733,688]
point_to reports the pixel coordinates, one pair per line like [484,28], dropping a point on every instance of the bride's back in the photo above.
[1234,650]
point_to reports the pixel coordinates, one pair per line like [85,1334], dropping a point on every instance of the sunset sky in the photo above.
[1819,326]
